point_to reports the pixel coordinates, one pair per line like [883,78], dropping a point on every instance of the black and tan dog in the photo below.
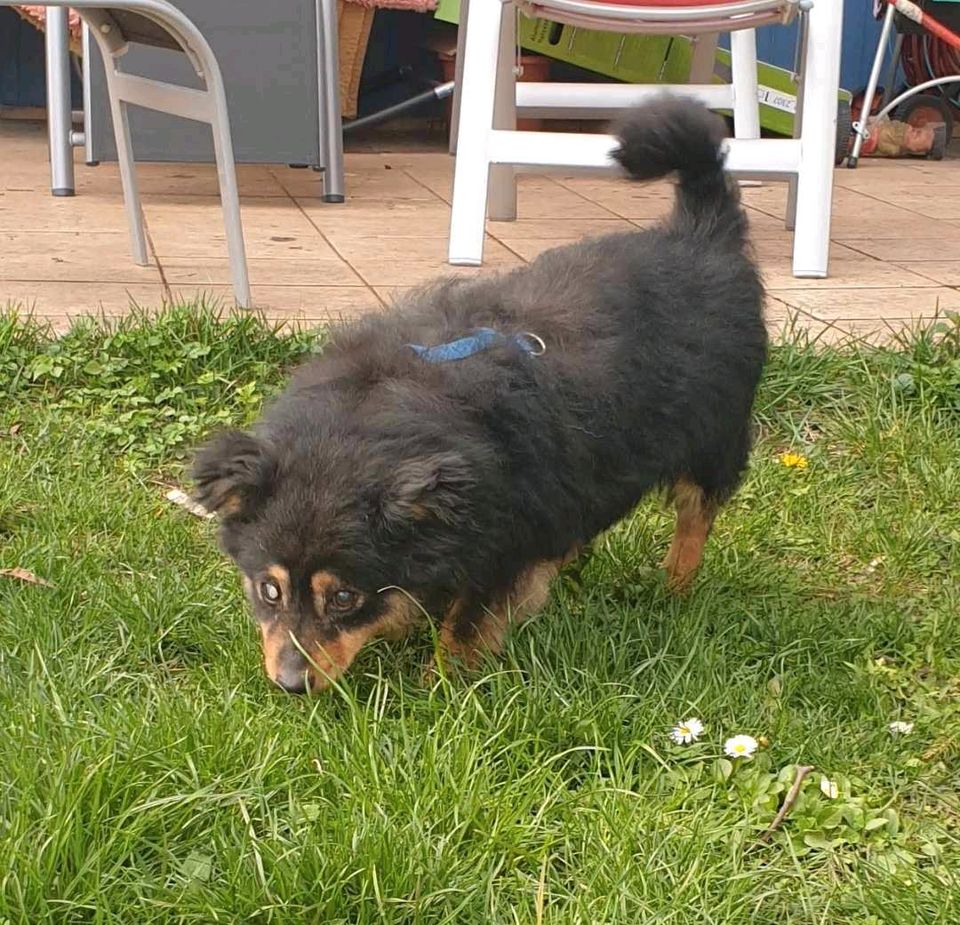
[450,455]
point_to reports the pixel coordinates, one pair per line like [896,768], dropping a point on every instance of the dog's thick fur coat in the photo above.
[379,479]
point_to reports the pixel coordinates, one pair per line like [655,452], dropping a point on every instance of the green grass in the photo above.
[148,772]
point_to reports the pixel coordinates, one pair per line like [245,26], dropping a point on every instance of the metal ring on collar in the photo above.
[540,346]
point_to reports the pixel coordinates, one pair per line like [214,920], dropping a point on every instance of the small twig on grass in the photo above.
[802,771]
[187,503]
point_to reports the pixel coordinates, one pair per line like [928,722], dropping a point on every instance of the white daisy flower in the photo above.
[686,732]
[829,789]
[740,746]
[900,728]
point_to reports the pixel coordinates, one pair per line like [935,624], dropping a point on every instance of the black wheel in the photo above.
[844,132]
[925,108]
[940,140]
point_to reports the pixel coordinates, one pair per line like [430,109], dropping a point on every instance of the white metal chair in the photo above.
[113,25]
[489,147]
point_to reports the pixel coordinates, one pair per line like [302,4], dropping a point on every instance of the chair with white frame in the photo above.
[489,147]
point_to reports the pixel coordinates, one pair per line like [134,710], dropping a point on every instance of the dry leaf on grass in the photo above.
[942,748]
[21,574]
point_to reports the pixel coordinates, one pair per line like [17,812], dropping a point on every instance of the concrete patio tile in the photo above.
[850,273]
[263,271]
[193,227]
[543,198]
[380,182]
[552,231]
[774,251]
[53,299]
[438,181]
[372,218]
[71,256]
[927,199]
[871,304]
[902,250]
[872,331]
[253,180]
[944,272]
[28,210]
[896,226]
[413,261]
[876,176]
[624,199]
[318,304]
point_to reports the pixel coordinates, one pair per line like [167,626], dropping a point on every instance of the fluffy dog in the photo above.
[450,455]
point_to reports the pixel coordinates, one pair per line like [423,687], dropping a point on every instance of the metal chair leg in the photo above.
[128,168]
[87,104]
[227,176]
[59,108]
[230,203]
[860,128]
[328,79]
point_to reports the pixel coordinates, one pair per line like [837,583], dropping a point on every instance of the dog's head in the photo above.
[325,529]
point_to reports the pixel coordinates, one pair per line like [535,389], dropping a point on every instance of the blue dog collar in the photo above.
[481,339]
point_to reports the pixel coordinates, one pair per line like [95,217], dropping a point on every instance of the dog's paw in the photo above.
[678,582]
[442,668]
[448,666]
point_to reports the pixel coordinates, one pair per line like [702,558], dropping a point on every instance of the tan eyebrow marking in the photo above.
[323,585]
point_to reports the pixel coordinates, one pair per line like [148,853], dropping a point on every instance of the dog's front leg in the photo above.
[467,630]
[471,628]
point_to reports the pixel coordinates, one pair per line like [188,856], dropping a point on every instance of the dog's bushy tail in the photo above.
[671,134]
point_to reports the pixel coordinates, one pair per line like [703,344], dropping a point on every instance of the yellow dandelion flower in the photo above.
[793,460]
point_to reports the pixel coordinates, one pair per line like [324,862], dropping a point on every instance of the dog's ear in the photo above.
[434,486]
[233,473]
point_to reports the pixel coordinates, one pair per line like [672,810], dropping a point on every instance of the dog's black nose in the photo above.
[292,683]
[289,671]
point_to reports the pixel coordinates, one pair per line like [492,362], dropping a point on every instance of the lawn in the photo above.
[149,773]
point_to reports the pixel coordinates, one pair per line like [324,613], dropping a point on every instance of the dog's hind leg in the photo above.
[531,591]
[695,516]
[469,631]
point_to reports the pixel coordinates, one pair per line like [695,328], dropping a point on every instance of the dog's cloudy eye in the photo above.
[270,592]
[344,600]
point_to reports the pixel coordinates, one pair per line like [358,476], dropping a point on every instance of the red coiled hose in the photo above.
[929,56]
